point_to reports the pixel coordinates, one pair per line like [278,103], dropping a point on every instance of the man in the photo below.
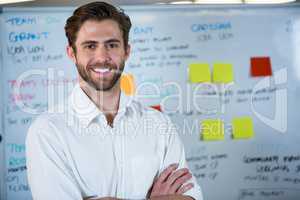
[105,145]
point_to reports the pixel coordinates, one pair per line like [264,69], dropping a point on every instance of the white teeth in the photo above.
[101,70]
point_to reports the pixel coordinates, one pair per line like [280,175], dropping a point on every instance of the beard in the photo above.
[100,83]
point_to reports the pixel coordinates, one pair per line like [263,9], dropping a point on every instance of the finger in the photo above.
[167,172]
[185,188]
[177,174]
[179,182]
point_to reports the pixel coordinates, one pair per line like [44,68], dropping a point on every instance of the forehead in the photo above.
[99,30]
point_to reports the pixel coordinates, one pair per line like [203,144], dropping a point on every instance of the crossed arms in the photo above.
[170,185]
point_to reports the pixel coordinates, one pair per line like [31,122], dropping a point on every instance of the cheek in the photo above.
[84,61]
[117,58]
[84,58]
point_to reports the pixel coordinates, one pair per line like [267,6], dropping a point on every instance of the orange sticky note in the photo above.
[127,84]
[242,128]
[212,129]
[222,73]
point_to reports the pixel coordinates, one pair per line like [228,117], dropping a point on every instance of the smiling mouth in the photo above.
[102,71]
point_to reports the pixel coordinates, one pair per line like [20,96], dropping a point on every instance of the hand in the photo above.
[171,181]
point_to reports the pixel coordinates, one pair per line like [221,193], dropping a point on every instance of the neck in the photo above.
[106,101]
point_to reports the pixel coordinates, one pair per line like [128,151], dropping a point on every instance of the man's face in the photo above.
[100,54]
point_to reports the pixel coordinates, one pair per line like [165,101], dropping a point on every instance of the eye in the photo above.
[112,45]
[90,46]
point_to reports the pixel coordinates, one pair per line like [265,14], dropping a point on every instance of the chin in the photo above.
[101,87]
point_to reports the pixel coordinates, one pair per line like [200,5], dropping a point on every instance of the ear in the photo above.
[71,53]
[127,51]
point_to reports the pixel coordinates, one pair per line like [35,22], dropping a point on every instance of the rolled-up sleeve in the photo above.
[49,176]
[175,154]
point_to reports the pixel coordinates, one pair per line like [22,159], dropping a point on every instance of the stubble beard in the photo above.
[85,75]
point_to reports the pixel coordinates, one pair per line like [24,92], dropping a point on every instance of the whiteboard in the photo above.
[2,158]
[165,40]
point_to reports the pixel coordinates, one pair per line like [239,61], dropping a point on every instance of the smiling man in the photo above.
[105,145]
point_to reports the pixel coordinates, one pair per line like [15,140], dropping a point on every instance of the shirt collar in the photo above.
[87,111]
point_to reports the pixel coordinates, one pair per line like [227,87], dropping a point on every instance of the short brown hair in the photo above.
[96,11]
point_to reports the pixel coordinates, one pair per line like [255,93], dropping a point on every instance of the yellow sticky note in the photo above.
[127,84]
[199,72]
[212,129]
[222,73]
[242,128]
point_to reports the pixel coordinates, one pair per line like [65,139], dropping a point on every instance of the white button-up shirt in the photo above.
[73,153]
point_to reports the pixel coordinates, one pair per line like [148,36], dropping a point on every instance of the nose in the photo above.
[102,55]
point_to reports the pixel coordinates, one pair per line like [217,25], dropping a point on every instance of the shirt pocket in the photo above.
[144,169]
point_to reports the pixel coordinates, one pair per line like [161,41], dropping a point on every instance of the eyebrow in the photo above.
[112,40]
[95,42]
[88,42]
